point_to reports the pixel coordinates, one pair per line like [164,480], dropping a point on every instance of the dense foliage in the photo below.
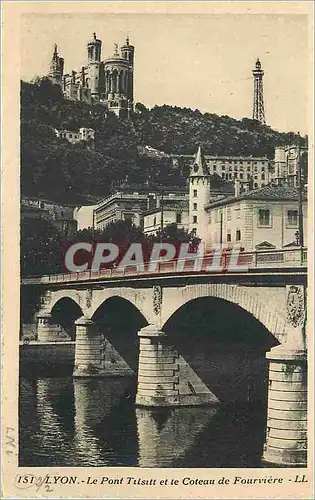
[43,247]
[83,172]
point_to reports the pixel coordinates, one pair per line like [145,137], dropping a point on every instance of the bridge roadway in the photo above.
[271,291]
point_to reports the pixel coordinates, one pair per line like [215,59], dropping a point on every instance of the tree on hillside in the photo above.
[42,248]
[175,235]
[62,171]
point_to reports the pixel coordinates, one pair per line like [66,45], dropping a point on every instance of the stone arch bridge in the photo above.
[269,303]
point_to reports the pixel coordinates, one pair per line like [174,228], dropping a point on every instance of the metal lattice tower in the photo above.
[258,103]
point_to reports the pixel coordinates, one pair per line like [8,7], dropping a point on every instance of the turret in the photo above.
[127,51]
[199,196]
[119,80]
[56,67]
[94,48]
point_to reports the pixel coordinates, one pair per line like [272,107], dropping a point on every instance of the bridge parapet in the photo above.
[262,259]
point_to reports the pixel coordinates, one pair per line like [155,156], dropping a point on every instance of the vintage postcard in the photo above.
[157,229]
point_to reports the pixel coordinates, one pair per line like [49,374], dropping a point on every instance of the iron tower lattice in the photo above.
[258,103]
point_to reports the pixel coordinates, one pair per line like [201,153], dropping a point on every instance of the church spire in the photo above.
[199,167]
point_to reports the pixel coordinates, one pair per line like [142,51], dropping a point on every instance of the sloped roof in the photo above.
[180,205]
[267,193]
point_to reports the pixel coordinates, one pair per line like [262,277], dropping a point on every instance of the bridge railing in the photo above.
[293,257]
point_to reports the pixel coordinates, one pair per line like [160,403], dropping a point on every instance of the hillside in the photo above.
[73,173]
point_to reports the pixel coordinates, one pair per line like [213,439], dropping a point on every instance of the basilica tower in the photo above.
[119,80]
[56,68]
[95,69]
[199,196]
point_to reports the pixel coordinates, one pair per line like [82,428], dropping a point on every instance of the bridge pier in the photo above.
[89,350]
[47,331]
[164,377]
[286,436]
[94,354]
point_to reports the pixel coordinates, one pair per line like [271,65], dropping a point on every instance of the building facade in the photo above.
[109,82]
[258,171]
[60,216]
[131,203]
[83,134]
[289,163]
[174,213]
[265,218]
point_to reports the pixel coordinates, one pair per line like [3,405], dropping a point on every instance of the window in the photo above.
[248,169]
[228,237]
[228,213]
[237,212]
[238,235]
[195,219]
[154,221]
[264,218]
[292,218]
[178,218]
[195,206]
[214,168]
[262,177]
[195,193]
[255,185]
[223,167]
[241,176]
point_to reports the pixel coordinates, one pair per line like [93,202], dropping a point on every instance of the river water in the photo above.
[94,422]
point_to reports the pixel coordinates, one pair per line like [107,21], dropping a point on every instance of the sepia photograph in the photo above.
[163,209]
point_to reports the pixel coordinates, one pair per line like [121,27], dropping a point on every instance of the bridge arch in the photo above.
[266,312]
[225,346]
[64,313]
[119,320]
[135,297]
[71,295]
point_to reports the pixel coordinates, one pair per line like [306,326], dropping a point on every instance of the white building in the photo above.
[244,168]
[267,217]
[130,203]
[84,216]
[84,134]
[176,213]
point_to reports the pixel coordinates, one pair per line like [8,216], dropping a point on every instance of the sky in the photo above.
[196,61]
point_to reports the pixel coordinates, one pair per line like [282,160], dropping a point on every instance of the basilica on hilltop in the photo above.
[109,82]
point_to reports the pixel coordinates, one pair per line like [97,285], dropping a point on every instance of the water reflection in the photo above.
[166,434]
[66,422]
[94,400]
